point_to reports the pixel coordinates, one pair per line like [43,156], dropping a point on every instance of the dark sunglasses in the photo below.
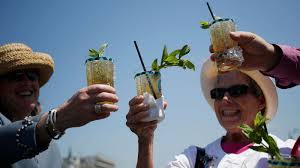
[19,76]
[234,91]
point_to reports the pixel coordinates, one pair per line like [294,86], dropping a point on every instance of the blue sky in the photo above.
[67,29]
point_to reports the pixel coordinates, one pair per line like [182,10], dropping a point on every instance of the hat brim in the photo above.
[208,79]
[41,62]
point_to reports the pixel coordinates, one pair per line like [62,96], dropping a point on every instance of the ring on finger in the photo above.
[98,108]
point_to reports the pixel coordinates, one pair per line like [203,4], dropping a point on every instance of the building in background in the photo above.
[95,161]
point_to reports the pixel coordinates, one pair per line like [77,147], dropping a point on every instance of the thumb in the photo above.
[242,38]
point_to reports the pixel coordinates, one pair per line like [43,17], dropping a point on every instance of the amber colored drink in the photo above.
[228,50]
[100,72]
[285,163]
[142,84]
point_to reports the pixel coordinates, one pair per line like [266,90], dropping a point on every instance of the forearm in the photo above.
[42,137]
[18,140]
[287,71]
[145,153]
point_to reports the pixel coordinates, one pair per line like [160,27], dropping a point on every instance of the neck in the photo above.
[235,138]
[13,118]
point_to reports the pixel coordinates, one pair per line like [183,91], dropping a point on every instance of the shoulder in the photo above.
[184,160]
[214,147]
[3,120]
[285,146]
[283,143]
[188,157]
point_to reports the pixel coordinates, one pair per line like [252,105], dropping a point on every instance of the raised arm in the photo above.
[28,137]
[279,61]
[143,130]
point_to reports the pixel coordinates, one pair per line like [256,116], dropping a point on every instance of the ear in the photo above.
[262,102]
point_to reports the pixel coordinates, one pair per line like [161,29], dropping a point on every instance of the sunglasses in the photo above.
[234,91]
[19,76]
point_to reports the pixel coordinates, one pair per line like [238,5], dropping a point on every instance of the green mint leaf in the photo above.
[168,60]
[256,138]
[93,53]
[189,65]
[184,50]
[272,145]
[181,64]
[259,136]
[259,148]
[155,66]
[259,120]
[246,129]
[204,25]
[171,60]
[174,53]
[164,55]
[102,49]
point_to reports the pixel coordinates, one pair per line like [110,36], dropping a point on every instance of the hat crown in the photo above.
[14,47]
[18,56]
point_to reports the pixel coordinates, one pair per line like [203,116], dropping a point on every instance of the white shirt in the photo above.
[247,159]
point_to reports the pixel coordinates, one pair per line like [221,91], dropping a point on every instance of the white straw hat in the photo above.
[208,78]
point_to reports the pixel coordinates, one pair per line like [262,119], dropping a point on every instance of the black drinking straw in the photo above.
[212,14]
[142,62]
[265,127]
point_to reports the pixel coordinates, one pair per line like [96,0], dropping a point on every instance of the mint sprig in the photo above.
[173,59]
[204,25]
[258,135]
[98,53]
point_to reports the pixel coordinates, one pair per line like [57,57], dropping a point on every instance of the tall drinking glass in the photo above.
[285,163]
[100,71]
[230,54]
[143,80]
[142,83]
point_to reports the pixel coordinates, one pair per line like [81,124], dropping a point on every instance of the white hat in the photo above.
[208,78]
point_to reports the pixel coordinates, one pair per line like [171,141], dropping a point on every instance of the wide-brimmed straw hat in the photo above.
[17,56]
[208,79]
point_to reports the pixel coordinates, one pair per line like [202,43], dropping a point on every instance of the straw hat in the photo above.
[17,56]
[208,80]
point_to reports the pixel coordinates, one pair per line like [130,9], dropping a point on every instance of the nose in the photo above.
[226,97]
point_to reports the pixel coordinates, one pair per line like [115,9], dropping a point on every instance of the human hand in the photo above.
[80,108]
[258,54]
[137,112]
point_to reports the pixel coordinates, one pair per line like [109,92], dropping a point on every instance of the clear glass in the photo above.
[230,54]
[285,163]
[100,72]
[142,83]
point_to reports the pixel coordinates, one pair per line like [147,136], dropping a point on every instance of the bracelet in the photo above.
[52,131]
[28,151]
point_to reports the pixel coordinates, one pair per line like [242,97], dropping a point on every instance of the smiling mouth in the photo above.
[26,93]
[231,115]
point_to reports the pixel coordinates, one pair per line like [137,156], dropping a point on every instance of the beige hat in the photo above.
[208,80]
[17,56]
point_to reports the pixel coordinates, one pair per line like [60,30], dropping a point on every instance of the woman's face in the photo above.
[19,93]
[234,109]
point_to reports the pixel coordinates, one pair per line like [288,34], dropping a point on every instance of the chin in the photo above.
[234,131]
[27,109]
[234,128]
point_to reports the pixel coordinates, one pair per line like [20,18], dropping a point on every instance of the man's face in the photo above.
[19,92]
